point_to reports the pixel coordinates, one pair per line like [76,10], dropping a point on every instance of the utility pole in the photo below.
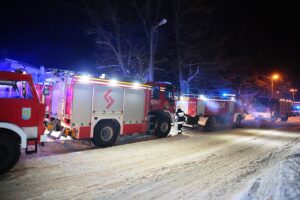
[274,77]
[153,30]
[293,91]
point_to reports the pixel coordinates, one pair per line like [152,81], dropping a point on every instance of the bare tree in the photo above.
[149,14]
[116,36]
[191,40]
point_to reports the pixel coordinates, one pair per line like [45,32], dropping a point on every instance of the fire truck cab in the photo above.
[21,118]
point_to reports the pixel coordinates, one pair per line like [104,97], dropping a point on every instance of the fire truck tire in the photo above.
[9,152]
[105,134]
[210,124]
[163,127]
[238,122]
[274,116]
[284,119]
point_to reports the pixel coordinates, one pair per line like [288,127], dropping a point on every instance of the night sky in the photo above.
[265,31]
[45,32]
[49,33]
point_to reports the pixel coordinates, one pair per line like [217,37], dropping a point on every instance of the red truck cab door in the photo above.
[162,97]
[20,104]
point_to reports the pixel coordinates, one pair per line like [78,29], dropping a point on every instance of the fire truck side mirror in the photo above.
[46,91]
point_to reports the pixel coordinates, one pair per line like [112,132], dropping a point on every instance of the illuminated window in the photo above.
[15,90]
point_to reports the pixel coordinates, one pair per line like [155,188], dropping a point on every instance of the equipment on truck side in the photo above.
[265,108]
[207,111]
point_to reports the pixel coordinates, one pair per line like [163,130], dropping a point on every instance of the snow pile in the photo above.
[290,178]
[281,181]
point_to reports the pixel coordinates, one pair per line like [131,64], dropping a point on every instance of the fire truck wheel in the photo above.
[105,134]
[238,122]
[163,127]
[210,124]
[9,152]
[284,119]
[274,116]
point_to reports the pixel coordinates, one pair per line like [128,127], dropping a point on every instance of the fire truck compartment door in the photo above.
[108,100]
[134,106]
[58,103]
[82,104]
[200,107]
[231,107]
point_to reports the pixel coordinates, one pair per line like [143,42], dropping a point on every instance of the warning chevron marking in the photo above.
[109,100]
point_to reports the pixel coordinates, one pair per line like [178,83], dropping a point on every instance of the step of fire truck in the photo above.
[31,148]
[151,125]
[59,136]
[55,134]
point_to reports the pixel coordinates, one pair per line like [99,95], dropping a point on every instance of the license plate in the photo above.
[202,121]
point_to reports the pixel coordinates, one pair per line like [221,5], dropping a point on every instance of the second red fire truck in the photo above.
[102,109]
[208,111]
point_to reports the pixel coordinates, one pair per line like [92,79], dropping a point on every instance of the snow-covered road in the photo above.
[259,161]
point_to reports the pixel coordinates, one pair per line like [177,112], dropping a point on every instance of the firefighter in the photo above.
[179,117]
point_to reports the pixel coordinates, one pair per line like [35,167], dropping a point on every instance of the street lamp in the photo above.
[273,78]
[153,29]
[293,91]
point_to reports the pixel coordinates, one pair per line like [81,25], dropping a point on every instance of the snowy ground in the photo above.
[258,161]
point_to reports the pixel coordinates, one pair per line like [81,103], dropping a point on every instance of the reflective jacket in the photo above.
[179,116]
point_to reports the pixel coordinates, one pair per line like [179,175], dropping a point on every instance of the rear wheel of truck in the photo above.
[9,152]
[105,134]
[274,116]
[163,127]
[285,118]
[238,122]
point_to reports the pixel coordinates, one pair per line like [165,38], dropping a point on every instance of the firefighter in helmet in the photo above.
[179,117]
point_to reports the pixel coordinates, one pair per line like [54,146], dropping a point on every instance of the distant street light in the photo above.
[293,91]
[273,78]
[153,29]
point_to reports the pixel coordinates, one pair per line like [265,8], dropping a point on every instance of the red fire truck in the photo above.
[265,108]
[87,108]
[207,111]
[102,109]
[21,118]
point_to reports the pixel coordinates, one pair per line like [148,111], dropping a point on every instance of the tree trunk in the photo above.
[183,88]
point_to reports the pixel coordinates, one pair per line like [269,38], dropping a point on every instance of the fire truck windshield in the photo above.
[169,93]
[155,92]
[262,104]
[15,89]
